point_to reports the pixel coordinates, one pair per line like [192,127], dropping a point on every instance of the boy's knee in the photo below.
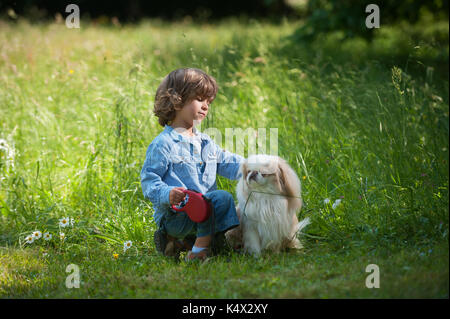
[222,196]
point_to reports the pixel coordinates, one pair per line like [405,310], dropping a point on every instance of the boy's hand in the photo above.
[176,195]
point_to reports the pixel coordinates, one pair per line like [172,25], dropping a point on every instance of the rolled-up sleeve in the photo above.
[155,167]
[228,163]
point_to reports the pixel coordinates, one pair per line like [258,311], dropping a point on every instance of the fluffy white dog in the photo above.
[268,194]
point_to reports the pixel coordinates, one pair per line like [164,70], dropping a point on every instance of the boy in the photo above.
[181,157]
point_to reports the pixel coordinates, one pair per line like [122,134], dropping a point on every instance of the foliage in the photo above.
[349,16]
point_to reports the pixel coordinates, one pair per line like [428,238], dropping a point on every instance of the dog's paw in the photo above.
[234,238]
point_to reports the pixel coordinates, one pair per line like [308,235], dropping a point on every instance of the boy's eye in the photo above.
[202,99]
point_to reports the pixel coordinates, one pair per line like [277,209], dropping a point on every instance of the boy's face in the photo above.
[193,112]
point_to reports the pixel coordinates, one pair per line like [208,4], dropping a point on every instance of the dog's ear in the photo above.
[243,169]
[290,185]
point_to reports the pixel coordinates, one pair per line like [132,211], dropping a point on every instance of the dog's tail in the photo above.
[302,225]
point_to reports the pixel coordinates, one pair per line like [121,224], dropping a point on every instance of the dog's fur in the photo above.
[269,195]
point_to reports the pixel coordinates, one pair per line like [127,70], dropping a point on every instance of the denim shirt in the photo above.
[173,160]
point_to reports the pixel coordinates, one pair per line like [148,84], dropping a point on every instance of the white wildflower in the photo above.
[127,245]
[47,236]
[326,200]
[29,239]
[62,236]
[64,222]
[336,203]
[37,234]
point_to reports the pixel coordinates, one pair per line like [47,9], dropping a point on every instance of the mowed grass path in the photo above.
[366,123]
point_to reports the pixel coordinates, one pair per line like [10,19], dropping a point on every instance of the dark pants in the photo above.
[179,225]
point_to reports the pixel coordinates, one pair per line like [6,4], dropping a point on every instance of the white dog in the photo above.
[269,194]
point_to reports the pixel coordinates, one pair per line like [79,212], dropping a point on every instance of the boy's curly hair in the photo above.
[180,87]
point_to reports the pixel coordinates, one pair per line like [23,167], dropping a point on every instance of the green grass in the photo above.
[317,272]
[365,122]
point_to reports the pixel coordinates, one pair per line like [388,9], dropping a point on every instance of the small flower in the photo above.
[116,256]
[37,234]
[47,236]
[64,222]
[304,177]
[127,245]
[29,239]
[71,71]
[44,254]
[326,200]
[72,221]
[62,236]
[336,203]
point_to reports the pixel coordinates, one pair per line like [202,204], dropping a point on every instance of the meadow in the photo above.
[366,123]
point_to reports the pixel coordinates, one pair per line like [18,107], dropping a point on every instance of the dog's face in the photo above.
[271,174]
[261,171]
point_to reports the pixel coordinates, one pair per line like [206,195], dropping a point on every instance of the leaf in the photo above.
[113,240]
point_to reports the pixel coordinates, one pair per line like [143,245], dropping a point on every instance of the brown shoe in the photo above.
[170,246]
[202,255]
[220,244]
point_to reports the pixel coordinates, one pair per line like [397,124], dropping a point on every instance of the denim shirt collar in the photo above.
[177,137]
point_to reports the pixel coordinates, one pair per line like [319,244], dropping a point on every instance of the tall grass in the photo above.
[75,105]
